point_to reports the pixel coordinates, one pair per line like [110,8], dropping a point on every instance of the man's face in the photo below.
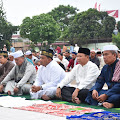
[44,60]
[37,54]
[29,56]
[11,57]
[19,61]
[60,57]
[119,55]
[38,63]
[109,58]
[2,59]
[73,56]
[92,54]
[67,54]
[82,58]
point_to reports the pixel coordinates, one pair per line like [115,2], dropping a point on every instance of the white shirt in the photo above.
[13,62]
[50,75]
[34,58]
[85,76]
[65,62]
[76,48]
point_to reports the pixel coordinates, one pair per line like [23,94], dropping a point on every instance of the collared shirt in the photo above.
[50,75]
[85,76]
[106,77]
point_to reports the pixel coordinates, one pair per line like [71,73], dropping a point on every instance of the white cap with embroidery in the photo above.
[28,52]
[110,47]
[18,54]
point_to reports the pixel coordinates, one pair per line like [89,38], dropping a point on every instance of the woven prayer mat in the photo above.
[117,110]
[105,115]
[59,109]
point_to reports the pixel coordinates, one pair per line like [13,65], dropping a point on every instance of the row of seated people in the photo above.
[52,82]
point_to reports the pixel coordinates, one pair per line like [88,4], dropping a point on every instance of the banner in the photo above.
[113,13]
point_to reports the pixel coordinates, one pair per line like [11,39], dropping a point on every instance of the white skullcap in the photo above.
[92,50]
[12,54]
[57,59]
[18,54]
[110,47]
[28,52]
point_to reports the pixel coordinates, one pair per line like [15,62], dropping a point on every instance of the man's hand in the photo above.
[75,94]
[16,90]
[95,95]
[58,92]
[102,98]
[1,88]
[35,88]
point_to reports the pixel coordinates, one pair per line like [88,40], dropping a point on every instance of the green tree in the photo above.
[90,24]
[116,39]
[118,26]
[40,28]
[63,15]
[6,30]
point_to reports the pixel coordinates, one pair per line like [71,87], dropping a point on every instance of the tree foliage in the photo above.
[90,24]
[118,26]
[63,15]
[116,39]
[40,28]
[6,30]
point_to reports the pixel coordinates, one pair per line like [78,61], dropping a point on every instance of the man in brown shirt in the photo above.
[6,66]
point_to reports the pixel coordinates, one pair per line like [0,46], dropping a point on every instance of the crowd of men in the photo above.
[47,75]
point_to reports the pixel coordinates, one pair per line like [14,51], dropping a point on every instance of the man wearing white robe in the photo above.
[85,74]
[20,78]
[49,74]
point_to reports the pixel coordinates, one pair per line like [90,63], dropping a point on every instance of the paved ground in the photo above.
[14,114]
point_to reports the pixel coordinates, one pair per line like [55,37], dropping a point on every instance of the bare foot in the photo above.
[45,97]
[77,100]
[9,93]
[108,105]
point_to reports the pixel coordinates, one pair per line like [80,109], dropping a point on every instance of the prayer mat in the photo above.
[59,109]
[105,115]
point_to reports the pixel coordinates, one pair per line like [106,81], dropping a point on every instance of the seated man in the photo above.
[11,58]
[85,73]
[72,62]
[93,58]
[64,61]
[20,78]
[6,66]
[48,76]
[111,97]
[28,55]
[67,55]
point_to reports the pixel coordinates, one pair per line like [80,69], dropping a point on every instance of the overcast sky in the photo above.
[17,10]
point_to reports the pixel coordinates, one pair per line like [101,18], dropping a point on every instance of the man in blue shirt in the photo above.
[12,49]
[111,97]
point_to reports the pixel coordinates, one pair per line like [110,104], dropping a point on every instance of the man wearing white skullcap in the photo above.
[111,97]
[93,57]
[30,57]
[11,58]
[20,78]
